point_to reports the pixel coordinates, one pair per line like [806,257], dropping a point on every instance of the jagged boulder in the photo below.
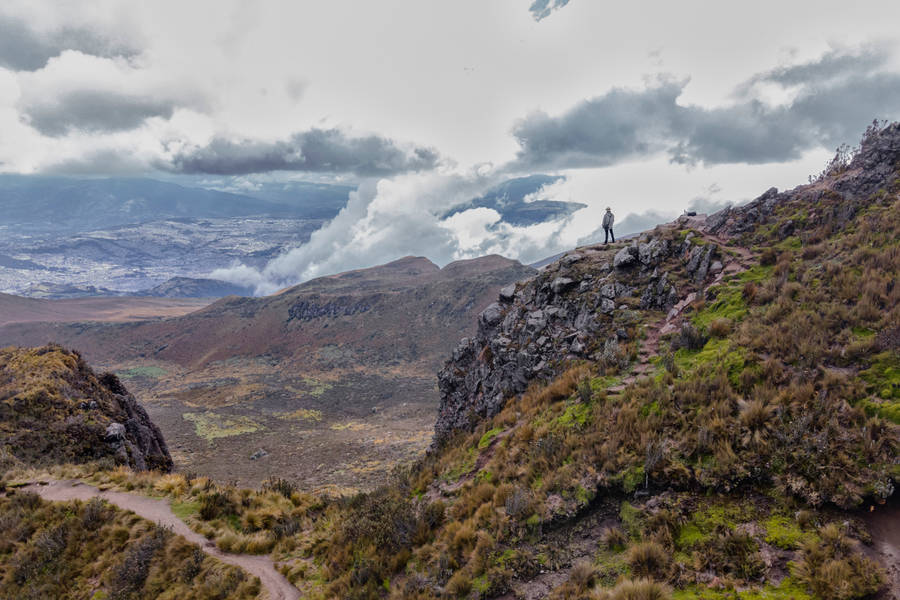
[491,315]
[508,293]
[626,257]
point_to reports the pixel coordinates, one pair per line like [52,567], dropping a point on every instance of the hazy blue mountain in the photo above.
[508,199]
[42,203]
[314,200]
[193,287]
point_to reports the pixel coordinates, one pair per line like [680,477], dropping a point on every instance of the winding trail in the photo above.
[159,511]
[740,260]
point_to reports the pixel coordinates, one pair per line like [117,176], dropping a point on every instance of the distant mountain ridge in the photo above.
[510,200]
[326,359]
[72,204]
[191,287]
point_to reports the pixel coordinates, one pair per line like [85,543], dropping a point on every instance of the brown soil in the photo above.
[15,309]
[883,523]
[159,511]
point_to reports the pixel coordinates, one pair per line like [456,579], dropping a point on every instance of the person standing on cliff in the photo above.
[608,220]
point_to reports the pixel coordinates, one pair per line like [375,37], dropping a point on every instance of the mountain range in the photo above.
[334,361]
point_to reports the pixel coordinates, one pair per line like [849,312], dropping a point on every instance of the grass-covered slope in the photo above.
[729,439]
[93,550]
[709,413]
[55,409]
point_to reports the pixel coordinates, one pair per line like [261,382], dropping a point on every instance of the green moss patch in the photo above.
[784,532]
[575,414]
[883,377]
[705,521]
[147,372]
[885,409]
[488,437]
[210,425]
[786,590]
[717,353]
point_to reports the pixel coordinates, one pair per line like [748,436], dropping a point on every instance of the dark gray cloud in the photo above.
[834,98]
[104,161]
[92,111]
[23,48]
[313,151]
[541,9]
[600,131]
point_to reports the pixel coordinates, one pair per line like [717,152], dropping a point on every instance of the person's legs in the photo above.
[606,239]
[612,235]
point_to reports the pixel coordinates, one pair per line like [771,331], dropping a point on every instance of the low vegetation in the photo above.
[728,469]
[93,550]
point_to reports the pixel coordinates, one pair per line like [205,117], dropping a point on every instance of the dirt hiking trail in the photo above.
[736,259]
[159,511]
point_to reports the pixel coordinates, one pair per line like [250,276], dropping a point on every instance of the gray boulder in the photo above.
[626,257]
[115,432]
[491,315]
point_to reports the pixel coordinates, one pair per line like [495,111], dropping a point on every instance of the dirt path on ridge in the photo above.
[159,511]
[738,262]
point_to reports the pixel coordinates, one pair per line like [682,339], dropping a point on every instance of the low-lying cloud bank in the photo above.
[390,218]
[407,215]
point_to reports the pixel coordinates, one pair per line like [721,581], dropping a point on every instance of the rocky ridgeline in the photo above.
[344,306]
[57,410]
[133,437]
[574,309]
[871,169]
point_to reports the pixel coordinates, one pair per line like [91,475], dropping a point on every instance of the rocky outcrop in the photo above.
[572,308]
[136,440]
[308,309]
[57,410]
[569,311]
[871,169]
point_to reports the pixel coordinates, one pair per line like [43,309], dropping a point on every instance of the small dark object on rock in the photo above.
[258,454]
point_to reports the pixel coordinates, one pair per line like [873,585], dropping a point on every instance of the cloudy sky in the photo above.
[648,107]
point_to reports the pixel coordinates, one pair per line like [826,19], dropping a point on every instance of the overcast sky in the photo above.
[643,106]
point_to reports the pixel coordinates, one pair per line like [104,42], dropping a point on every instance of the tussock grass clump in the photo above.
[640,589]
[830,569]
[49,547]
[613,538]
[649,559]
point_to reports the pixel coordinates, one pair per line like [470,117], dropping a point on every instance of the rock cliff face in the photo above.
[582,306]
[55,409]
[578,308]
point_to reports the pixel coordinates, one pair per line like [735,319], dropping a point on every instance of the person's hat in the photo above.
[608,208]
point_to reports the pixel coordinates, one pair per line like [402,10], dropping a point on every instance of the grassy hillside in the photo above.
[732,438]
[55,409]
[93,550]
